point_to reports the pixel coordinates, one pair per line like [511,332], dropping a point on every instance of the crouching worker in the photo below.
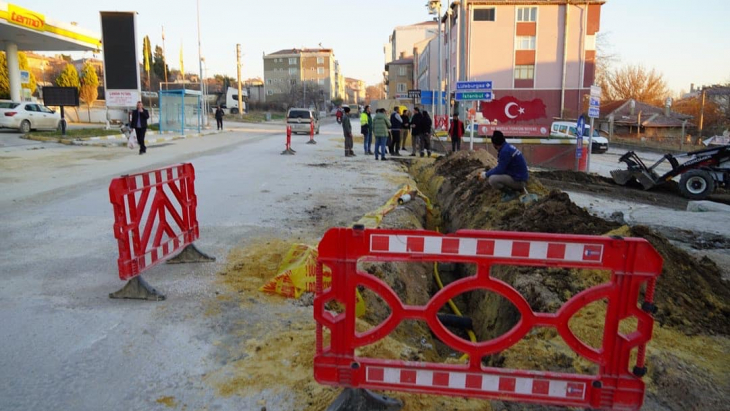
[510,176]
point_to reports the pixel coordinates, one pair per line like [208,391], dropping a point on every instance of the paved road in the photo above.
[67,346]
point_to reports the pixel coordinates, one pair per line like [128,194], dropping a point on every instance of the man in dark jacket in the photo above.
[425,136]
[456,132]
[347,131]
[510,176]
[396,123]
[415,130]
[219,117]
[138,121]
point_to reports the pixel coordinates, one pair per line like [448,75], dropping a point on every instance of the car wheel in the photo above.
[234,111]
[25,126]
[696,184]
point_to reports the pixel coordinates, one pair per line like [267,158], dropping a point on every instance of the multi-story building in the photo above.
[425,64]
[300,71]
[340,84]
[355,90]
[400,77]
[401,42]
[539,54]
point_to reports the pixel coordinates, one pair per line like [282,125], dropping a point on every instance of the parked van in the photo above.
[300,120]
[567,129]
[232,100]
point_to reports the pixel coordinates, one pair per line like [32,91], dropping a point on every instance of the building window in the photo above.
[292,61]
[269,92]
[320,82]
[484,14]
[320,60]
[292,71]
[526,14]
[292,82]
[269,81]
[525,72]
[402,88]
[320,70]
[526,43]
[402,71]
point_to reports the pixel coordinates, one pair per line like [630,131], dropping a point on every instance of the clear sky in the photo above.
[687,41]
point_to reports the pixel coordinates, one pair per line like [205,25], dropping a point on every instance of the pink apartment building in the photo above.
[539,54]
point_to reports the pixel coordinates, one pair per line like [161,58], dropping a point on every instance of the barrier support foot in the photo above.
[137,289]
[190,254]
[356,399]
[288,152]
[311,142]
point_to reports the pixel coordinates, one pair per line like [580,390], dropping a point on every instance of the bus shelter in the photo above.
[180,110]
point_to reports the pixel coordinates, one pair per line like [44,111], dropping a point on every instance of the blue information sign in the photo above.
[580,127]
[473,85]
[474,96]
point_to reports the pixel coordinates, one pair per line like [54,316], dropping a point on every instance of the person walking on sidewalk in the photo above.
[456,132]
[425,136]
[381,128]
[397,124]
[415,130]
[219,117]
[366,128]
[138,121]
[510,176]
[347,130]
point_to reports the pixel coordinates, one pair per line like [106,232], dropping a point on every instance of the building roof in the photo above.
[399,62]
[651,116]
[299,51]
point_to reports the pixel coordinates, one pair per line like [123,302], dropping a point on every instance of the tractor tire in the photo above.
[696,184]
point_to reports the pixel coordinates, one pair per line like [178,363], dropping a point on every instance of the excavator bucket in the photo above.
[637,170]
[621,177]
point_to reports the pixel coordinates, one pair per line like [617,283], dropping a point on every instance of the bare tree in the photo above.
[606,60]
[635,81]
[714,120]
[374,92]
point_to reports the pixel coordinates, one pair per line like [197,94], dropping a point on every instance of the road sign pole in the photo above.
[590,147]
[471,139]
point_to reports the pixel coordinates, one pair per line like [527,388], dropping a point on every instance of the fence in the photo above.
[633,263]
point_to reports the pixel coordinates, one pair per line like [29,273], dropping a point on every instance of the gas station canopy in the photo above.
[23,29]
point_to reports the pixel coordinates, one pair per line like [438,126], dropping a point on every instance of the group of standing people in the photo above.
[391,132]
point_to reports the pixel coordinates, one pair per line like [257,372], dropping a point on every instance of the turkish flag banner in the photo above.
[509,109]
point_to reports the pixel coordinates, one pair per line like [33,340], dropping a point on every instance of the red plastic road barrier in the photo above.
[633,262]
[154,216]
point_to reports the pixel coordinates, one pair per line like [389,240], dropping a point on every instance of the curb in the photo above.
[112,140]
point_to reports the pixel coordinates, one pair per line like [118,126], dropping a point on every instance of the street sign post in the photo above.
[594,112]
[579,128]
[473,91]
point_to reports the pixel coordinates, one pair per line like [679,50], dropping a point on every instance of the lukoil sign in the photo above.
[26,18]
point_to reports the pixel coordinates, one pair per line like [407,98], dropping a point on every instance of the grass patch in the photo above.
[252,117]
[72,133]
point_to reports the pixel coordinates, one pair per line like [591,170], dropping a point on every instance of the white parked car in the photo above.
[26,116]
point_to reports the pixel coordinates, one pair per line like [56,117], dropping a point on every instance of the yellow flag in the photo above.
[182,66]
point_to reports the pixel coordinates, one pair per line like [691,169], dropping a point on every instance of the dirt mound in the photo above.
[690,294]
[555,213]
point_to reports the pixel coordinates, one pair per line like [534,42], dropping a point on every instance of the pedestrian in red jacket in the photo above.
[456,132]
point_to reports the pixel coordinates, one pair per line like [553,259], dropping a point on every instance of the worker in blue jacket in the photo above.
[510,176]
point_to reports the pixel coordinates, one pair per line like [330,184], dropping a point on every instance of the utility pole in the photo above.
[463,52]
[238,65]
[200,65]
[164,58]
[702,112]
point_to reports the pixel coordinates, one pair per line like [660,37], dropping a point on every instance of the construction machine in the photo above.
[701,171]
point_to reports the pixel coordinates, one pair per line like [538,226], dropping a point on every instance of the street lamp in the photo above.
[434,7]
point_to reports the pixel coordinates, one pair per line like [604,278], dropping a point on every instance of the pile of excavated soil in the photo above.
[694,302]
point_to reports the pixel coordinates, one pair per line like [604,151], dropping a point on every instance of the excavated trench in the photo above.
[690,343]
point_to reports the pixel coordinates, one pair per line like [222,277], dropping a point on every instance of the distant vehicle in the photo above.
[355,110]
[300,120]
[27,116]
[567,129]
[232,100]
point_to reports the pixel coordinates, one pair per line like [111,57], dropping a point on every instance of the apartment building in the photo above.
[536,53]
[294,69]
[400,44]
[400,77]
[355,90]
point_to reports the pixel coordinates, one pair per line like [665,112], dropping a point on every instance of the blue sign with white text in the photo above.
[473,85]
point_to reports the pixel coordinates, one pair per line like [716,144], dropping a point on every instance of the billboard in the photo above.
[121,69]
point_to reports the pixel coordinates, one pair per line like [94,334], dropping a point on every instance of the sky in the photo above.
[688,42]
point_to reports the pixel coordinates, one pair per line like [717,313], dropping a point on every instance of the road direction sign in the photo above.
[580,127]
[474,96]
[473,85]
[414,93]
[594,106]
[24,76]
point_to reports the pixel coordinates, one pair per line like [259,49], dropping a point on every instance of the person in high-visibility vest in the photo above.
[366,128]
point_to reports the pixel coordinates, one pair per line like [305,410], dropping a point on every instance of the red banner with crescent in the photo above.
[513,130]
[509,109]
